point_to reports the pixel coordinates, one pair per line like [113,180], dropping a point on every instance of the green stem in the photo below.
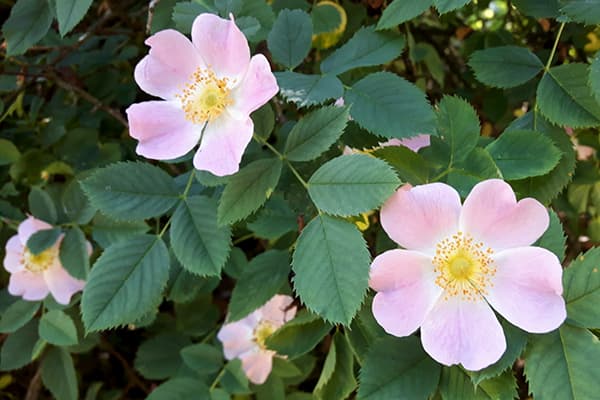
[243,238]
[164,229]
[282,158]
[217,379]
[188,186]
[553,52]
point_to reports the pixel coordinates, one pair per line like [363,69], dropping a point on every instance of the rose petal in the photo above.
[162,130]
[29,285]
[221,44]
[29,226]
[414,143]
[169,65]
[236,338]
[257,365]
[276,310]
[491,214]
[527,289]
[465,332]
[405,282]
[419,217]
[61,284]
[223,145]
[257,87]
[14,255]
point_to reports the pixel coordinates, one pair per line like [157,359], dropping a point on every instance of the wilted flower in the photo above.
[209,85]
[459,261]
[33,276]
[245,339]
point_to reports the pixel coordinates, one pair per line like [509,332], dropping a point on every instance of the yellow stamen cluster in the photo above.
[263,330]
[463,266]
[39,262]
[206,97]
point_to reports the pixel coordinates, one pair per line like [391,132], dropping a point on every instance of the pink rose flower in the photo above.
[245,339]
[458,263]
[414,143]
[209,85]
[34,276]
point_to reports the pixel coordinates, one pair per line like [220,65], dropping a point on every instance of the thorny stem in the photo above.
[282,158]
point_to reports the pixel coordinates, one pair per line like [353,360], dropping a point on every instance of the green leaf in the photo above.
[339,381]
[58,328]
[264,122]
[411,167]
[69,13]
[387,105]
[584,11]
[308,90]
[234,379]
[364,332]
[521,154]
[299,336]
[352,184]
[42,206]
[195,221]
[290,38]
[28,22]
[315,133]
[565,98]
[594,79]
[554,238]
[202,358]
[455,384]
[260,280]
[58,374]
[184,13]
[458,126]
[108,231]
[582,289]
[366,48]
[18,347]
[159,357]
[478,166]
[126,283]
[325,18]
[505,66]
[74,253]
[563,364]
[76,205]
[538,8]
[445,6]
[401,11]
[9,152]
[274,220]
[17,315]
[398,368]
[131,190]
[42,240]
[247,190]
[180,389]
[331,263]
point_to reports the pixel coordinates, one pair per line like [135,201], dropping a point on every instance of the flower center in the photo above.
[463,267]
[262,332]
[37,263]
[205,97]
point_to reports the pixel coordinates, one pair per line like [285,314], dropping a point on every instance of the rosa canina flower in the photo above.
[458,263]
[245,339]
[33,276]
[209,87]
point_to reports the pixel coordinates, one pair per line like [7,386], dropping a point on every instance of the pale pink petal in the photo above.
[527,289]
[257,365]
[221,44]
[257,87]
[418,218]
[162,130]
[491,214]
[29,226]
[169,65]
[31,286]
[276,310]
[223,145]
[405,282]
[414,143]
[463,332]
[61,284]
[236,338]
[14,255]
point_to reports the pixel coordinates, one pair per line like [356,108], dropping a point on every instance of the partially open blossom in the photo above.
[459,262]
[33,276]
[245,339]
[210,85]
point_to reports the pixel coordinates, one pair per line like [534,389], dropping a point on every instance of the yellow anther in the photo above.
[39,262]
[205,97]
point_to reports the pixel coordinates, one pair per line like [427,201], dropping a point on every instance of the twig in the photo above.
[128,370]
[151,6]
[33,391]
